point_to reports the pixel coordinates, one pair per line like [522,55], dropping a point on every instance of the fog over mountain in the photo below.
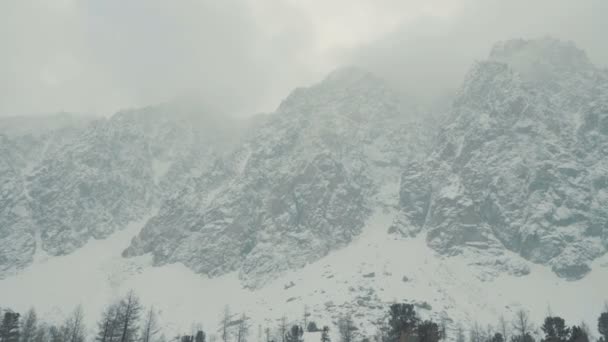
[329,157]
[245,56]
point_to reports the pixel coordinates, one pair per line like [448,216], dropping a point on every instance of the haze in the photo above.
[244,56]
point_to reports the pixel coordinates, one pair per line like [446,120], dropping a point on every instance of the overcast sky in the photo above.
[244,56]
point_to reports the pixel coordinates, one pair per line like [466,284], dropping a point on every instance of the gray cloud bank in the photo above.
[244,56]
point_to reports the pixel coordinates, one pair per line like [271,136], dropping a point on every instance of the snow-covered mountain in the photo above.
[520,164]
[301,186]
[67,184]
[347,198]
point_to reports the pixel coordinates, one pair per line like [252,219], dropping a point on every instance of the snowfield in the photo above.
[362,279]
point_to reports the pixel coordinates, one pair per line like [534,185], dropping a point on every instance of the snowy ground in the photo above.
[362,278]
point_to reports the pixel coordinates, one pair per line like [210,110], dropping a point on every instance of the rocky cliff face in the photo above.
[67,184]
[301,186]
[520,164]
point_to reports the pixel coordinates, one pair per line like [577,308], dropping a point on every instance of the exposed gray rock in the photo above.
[302,186]
[519,163]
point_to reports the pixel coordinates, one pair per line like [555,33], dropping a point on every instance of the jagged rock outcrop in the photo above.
[521,161]
[84,179]
[303,185]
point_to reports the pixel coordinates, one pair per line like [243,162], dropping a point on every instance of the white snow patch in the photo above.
[373,266]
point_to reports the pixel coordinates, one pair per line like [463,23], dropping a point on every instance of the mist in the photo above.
[244,56]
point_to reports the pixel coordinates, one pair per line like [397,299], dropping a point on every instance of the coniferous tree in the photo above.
[428,331]
[555,330]
[41,334]
[200,336]
[28,330]
[325,334]
[460,334]
[306,315]
[402,321]
[497,337]
[602,326]
[312,327]
[578,334]
[9,328]
[295,334]
[346,328]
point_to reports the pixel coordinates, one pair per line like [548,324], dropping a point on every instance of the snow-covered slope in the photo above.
[375,270]
[342,200]
[300,186]
[520,164]
[74,180]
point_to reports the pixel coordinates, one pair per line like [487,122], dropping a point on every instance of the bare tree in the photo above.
[460,334]
[73,328]
[283,328]
[306,315]
[346,328]
[130,309]
[28,328]
[267,332]
[476,333]
[443,326]
[503,327]
[521,324]
[225,324]
[150,328]
[243,329]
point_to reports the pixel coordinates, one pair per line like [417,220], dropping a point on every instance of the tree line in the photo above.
[126,320]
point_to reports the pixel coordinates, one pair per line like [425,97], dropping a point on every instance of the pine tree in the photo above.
[41,333]
[578,334]
[497,337]
[460,334]
[312,327]
[602,326]
[295,334]
[28,330]
[402,321]
[428,331]
[9,329]
[306,315]
[346,328]
[325,334]
[200,336]
[555,330]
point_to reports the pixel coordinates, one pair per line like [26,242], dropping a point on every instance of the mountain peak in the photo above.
[350,75]
[540,56]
